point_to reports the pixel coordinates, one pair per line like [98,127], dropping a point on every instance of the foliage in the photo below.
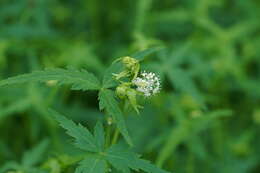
[68,56]
[118,156]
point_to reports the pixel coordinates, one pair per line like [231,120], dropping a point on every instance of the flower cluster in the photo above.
[147,83]
[132,82]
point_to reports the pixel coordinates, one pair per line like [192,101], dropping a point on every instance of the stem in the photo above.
[115,137]
[108,130]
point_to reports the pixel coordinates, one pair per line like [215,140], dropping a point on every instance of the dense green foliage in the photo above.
[57,55]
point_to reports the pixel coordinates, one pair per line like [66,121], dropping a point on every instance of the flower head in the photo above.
[147,83]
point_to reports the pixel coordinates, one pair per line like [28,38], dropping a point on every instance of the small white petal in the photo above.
[148,83]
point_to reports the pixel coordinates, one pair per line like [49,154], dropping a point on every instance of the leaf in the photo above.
[142,54]
[179,55]
[93,164]
[186,130]
[83,138]
[123,159]
[99,134]
[9,166]
[108,79]
[108,102]
[15,107]
[80,80]
[34,156]
[118,156]
[148,167]
[183,82]
[204,122]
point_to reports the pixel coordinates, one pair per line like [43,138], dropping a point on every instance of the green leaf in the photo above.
[92,164]
[142,54]
[83,138]
[178,55]
[15,107]
[187,129]
[34,156]
[80,80]
[148,167]
[99,135]
[118,156]
[9,166]
[124,159]
[108,79]
[121,159]
[108,102]
[183,82]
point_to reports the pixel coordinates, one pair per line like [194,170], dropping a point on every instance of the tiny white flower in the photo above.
[147,83]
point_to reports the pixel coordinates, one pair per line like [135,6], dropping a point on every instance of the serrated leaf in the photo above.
[108,102]
[34,156]
[83,138]
[142,54]
[99,134]
[121,159]
[125,160]
[92,164]
[80,80]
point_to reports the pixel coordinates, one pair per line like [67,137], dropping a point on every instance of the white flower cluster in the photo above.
[147,83]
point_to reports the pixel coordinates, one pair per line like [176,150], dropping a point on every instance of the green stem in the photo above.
[108,131]
[115,137]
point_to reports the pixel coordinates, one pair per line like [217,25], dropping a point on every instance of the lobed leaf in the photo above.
[83,138]
[108,102]
[80,80]
[99,135]
[93,164]
[123,160]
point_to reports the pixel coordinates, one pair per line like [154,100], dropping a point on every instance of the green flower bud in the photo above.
[121,90]
[131,94]
[131,68]
[129,62]
[124,91]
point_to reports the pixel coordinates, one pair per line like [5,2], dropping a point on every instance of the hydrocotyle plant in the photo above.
[123,82]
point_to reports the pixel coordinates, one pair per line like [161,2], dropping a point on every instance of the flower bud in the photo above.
[121,91]
[131,68]
[124,91]
[129,62]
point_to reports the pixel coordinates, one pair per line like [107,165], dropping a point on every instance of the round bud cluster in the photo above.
[147,83]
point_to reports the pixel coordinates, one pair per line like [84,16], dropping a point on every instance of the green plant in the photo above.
[206,117]
[120,82]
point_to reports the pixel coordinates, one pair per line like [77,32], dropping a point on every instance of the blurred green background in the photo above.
[207,116]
